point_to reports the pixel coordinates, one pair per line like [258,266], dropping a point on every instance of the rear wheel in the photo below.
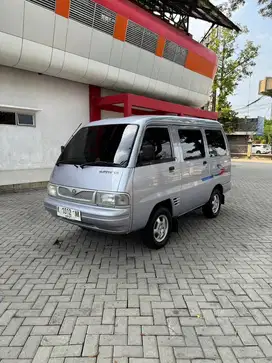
[158,229]
[213,207]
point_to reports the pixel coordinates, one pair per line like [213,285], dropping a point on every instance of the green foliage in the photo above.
[265,6]
[228,118]
[233,65]
[268,131]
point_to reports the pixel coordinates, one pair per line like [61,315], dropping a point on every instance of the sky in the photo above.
[260,32]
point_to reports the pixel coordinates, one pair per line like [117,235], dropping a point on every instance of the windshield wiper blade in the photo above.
[99,163]
[67,163]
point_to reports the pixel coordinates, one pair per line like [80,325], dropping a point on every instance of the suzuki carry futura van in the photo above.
[140,173]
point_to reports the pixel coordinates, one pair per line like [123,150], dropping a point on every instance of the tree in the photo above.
[228,118]
[268,131]
[265,10]
[266,138]
[234,65]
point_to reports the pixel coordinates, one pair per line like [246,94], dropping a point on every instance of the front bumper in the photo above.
[110,220]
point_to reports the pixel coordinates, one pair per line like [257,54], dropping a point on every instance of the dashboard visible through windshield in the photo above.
[105,145]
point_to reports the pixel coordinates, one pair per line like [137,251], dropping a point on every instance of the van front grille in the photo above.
[76,194]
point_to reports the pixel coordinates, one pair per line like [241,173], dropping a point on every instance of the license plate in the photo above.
[69,213]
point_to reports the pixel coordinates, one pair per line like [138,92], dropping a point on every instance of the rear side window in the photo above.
[192,144]
[216,143]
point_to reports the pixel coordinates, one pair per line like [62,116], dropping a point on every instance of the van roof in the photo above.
[142,120]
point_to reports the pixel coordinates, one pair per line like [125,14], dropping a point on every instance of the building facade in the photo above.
[51,51]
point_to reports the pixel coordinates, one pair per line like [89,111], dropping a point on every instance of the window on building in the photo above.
[25,120]
[7,118]
[15,118]
[156,147]
[192,144]
[216,143]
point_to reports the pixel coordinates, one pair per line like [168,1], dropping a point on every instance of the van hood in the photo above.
[91,177]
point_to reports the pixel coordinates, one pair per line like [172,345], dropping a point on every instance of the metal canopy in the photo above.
[178,12]
[130,104]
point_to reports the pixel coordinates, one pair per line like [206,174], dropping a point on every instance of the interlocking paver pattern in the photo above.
[71,296]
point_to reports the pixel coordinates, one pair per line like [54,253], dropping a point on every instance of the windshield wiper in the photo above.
[66,162]
[100,163]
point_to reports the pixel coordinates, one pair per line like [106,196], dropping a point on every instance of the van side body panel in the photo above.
[194,192]
[220,166]
[156,183]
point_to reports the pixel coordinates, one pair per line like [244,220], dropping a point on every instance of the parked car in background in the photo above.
[261,149]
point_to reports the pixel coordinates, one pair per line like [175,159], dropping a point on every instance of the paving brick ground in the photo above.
[94,298]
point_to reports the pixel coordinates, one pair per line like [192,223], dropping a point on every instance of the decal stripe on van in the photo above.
[207,178]
[221,172]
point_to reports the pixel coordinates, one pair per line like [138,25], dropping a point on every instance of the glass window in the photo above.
[156,146]
[13,118]
[7,118]
[192,144]
[25,120]
[107,145]
[216,143]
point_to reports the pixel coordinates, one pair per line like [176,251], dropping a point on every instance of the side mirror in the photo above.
[147,153]
[62,149]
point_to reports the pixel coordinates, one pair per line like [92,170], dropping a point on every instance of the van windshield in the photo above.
[105,145]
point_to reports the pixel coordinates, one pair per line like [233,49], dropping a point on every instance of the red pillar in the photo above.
[127,107]
[94,96]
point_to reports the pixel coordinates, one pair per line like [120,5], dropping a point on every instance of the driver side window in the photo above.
[156,147]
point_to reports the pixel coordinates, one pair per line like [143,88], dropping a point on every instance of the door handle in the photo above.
[171,168]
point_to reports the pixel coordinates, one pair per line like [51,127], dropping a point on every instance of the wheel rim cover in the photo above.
[215,203]
[160,228]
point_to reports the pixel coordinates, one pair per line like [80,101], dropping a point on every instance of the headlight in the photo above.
[112,200]
[52,190]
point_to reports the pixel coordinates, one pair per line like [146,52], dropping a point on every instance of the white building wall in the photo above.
[37,39]
[27,154]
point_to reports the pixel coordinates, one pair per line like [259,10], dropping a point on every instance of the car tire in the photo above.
[213,207]
[158,229]
[258,152]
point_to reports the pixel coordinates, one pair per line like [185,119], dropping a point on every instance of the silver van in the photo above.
[140,173]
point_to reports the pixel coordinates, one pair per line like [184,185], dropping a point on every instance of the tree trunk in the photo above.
[214,100]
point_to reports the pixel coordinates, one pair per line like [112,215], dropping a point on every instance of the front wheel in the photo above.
[213,207]
[158,229]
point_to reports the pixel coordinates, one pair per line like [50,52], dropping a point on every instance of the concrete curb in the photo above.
[16,188]
[260,161]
